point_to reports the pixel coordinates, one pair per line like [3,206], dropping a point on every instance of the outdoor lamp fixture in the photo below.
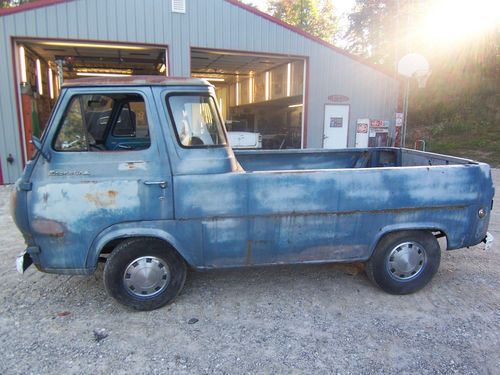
[22,60]
[39,76]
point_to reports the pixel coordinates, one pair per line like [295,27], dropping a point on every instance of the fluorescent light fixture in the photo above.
[214,79]
[268,83]
[39,76]
[86,74]
[92,45]
[237,93]
[51,84]
[220,104]
[163,68]
[289,79]
[295,105]
[22,60]
[250,90]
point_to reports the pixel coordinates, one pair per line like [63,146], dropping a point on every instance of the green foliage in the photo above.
[13,3]
[315,17]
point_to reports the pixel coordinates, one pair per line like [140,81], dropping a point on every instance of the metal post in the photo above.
[60,72]
[405,110]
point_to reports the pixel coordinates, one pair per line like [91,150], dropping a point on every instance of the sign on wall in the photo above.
[336,122]
[338,98]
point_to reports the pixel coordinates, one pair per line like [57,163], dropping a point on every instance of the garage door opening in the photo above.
[43,65]
[261,96]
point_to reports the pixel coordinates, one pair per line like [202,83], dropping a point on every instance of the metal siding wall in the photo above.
[9,134]
[207,23]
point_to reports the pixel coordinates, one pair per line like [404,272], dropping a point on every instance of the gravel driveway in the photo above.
[303,319]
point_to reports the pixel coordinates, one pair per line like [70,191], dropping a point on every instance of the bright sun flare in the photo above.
[450,20]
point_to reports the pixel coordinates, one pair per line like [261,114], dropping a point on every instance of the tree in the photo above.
[314,16]
[377,30]
[457,112]
[13,3]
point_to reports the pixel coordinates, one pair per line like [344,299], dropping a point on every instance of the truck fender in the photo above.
[128,230]
[433,227]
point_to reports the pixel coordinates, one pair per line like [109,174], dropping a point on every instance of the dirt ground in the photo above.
[303,319]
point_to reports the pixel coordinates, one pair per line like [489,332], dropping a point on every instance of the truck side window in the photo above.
[71,135]
[100,122]
[196,120]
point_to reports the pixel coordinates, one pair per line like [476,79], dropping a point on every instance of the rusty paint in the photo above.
[102,199]
[136,80]
[48,227]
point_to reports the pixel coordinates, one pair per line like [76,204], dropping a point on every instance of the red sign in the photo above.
[338,98]
[377,123]
[362,128]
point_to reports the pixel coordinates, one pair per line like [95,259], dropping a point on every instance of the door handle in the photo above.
[161,184]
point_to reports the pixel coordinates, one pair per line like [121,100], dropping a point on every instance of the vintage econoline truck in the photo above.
[136,172]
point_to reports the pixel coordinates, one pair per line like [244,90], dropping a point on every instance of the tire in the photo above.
[144,273]
[404,262]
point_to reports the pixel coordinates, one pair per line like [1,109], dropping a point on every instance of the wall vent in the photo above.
[179,6]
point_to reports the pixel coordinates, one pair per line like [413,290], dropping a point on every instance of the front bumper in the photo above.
[488,241]
[27,258]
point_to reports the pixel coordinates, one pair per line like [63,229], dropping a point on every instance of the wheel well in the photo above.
[438,233]
[108,248]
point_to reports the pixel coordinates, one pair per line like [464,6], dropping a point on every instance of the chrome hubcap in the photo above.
[406,261]
[146,276]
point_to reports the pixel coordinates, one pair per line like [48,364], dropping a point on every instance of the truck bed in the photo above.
[276,160]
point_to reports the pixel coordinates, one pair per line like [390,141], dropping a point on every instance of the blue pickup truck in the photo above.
[136,172]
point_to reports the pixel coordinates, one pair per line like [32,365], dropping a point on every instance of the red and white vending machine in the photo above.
[362,129]
[378,134]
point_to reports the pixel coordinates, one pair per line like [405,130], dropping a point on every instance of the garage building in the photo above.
[295,90]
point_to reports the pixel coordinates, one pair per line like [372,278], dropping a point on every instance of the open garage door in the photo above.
[43,65]
[261,96]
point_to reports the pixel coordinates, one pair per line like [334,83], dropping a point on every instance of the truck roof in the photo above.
[138,80]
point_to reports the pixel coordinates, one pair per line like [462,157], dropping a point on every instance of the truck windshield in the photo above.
[196,121]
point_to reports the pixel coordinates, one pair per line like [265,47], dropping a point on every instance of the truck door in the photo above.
[89,183]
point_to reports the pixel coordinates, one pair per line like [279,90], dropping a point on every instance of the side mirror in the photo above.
[35,141]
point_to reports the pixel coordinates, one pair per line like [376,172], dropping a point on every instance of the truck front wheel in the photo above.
[144,273]
[404,262]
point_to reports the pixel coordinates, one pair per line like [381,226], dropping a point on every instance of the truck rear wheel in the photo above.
[144,273]
[404,262]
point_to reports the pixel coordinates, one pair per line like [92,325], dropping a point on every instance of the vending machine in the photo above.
[378,134]
[362,128]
